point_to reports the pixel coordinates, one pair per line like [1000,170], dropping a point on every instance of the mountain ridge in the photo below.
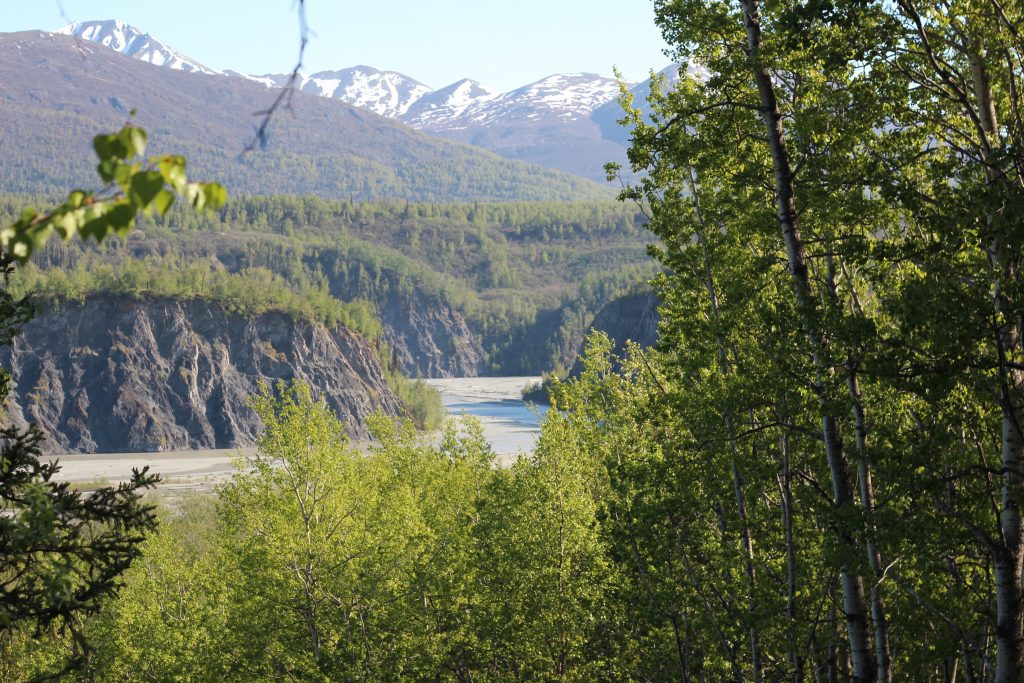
[57,92]
[122,37]
[563,121]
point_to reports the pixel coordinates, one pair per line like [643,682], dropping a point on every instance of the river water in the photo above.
[510,425]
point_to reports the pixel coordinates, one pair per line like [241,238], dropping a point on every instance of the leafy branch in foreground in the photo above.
[133,185]
[62,552]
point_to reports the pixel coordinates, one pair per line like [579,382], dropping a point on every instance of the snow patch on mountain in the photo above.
[465,104]
[387,93]
[131,42]
[567,94]
[270,81]
[441,107]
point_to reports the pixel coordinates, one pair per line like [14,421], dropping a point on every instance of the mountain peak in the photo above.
[387,93]
[448,103]
[122,37]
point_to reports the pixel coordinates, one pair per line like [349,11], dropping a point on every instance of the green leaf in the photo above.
[144,188]
[109,147]
[68,223]
[77,198]
[172,167]
[102,218]
[107,169]
[162,201]
[134,139]
[216,196]
[206,196]
[123,176]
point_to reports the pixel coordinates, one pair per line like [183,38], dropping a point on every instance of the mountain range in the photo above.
[564,121]
[57,91]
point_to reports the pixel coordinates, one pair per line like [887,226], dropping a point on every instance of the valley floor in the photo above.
[510,426]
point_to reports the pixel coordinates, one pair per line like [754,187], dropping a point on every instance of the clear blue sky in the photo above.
[501,44]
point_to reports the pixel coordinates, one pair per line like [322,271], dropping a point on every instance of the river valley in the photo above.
[510,426]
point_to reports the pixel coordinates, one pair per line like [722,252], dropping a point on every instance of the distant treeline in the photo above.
[249,292]
[528,276]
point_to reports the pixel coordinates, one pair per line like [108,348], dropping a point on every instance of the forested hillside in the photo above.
[460,288]
[58,92]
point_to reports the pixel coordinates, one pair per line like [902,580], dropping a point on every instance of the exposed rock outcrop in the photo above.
[119,374]
[633,317]
[427,335]
[430,338]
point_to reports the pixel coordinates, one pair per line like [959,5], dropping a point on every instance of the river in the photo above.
[510,426]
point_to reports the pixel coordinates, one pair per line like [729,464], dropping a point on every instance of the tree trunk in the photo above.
[1008,560]
[786,490]
[883,659]
[854,603]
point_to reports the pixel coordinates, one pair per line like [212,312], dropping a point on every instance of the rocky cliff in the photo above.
[427,335]
[430,338]
[119,374]
[633,317]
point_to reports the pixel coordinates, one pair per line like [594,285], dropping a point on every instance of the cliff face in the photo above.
[430,339]
[633,317]
[118,374]
[428,336]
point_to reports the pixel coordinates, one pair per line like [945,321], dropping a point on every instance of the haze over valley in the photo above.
[380,175]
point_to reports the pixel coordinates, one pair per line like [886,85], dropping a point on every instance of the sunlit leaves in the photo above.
[133,185]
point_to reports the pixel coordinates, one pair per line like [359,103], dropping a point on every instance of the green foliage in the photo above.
[184,572]
[418,560]
[835,383]
[547,607]
[133,186]
[541,392]
[362,563]
[249,292]
[528,277]
[419,398]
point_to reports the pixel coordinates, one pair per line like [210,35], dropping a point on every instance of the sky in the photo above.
[501,44]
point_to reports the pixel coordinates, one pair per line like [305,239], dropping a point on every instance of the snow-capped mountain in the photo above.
[443,106]
[387,93]
[128,40]
[564,121]
[568,97]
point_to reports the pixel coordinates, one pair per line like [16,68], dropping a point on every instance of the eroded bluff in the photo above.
[633,317]
[118,374]
[430,338]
